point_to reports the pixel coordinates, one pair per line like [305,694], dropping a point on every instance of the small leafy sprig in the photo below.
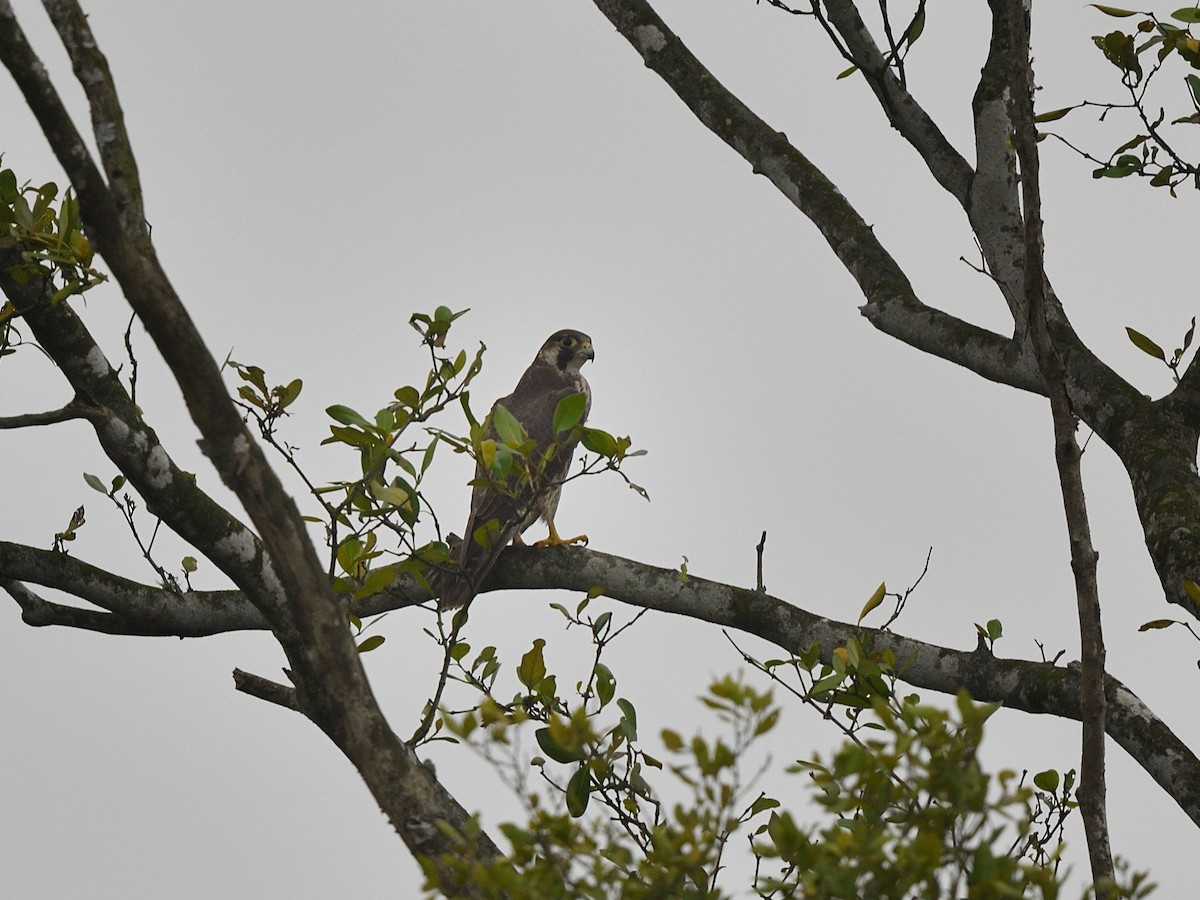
[54,239]
[1154,151]
[1151,348]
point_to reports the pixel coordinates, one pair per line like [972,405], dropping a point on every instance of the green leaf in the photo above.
[1163,177]
[876,599]
[1047,780]
[1193,83]
[569,412]
[189,564]
[629,721]
[846,73]
[371,643]
[606,684]
[255,376]
[408,396]
[533,666]
[347,416]
[290,393]
[1146,345]
[348,553]
[1192,589]
[599,441]
[579,790]
[1187,14]
[762,804]
[377,580]
[385,420]
[508,429]
[601,623]
[672,740]
[554,750]
[351,436]
[1114,11]
[95,483]
[917,27]
[1157,623]
[1120,50]
[769,721]
[1053,115]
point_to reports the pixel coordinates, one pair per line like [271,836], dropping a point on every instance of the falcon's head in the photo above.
[567,350]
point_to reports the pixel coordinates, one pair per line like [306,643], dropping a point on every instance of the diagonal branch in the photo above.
[108,120]
[73,410]
[1092,791]
[1156,441]
[905,114]
[891,306]
[124,435]
[290,587]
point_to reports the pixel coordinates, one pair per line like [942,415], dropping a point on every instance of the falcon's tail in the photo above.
[461,585]
[456,590]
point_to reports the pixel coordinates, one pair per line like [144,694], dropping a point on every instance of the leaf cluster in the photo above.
[53,237]
[1154,43]
[906,807]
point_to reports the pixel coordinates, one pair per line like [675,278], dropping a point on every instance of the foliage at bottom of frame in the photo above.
[903,808]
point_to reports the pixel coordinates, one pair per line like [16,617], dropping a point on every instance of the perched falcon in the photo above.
[553,375]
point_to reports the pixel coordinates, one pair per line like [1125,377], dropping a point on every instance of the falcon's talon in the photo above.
[557,541]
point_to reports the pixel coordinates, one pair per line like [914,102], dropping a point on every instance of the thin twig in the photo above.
[1092,789]
[50,417]
[760,586]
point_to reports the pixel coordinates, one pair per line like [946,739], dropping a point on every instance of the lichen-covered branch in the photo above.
[108,120]
[1033,687]
[1156,441]
[128,441]
[139,608]
[288,586]
[891,306]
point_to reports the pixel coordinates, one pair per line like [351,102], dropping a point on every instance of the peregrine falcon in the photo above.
[500,513]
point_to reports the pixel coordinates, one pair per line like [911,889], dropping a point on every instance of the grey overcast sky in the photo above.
[315,173]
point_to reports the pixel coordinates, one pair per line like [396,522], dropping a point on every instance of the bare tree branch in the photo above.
[124,435]
[1155,440]
[1092,792]
[37,611]
[145,608]
[1033,687]
[50,417]
[108,121]
[265,689]
[892,306]
[907,116]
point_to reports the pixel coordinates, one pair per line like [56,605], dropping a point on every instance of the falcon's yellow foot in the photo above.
[556,540]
